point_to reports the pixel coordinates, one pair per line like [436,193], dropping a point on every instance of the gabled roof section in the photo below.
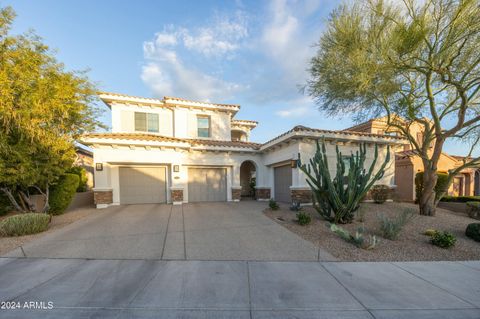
[301,130]
[108,98]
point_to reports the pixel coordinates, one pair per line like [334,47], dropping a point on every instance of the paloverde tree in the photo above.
[416,62]
[43,108]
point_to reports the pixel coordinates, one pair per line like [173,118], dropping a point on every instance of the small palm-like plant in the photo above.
[337,199]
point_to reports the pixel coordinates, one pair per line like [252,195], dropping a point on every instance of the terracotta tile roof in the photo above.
[301,128]
[248,122]
[199,102]
[130,96]
[104,95]
[227,143]
[405,154]
[160,138]
[134,136]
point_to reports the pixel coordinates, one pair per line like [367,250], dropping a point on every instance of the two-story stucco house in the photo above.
[176,151]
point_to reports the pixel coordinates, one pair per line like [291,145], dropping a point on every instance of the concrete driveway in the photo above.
[200,231]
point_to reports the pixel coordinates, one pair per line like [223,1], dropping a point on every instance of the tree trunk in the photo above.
[46,207]
[427,199]
[8,193]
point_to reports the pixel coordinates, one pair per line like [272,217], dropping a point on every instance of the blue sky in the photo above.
[253,53]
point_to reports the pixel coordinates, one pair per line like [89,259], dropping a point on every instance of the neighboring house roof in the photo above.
[158,138]
[81,150]
[108,98]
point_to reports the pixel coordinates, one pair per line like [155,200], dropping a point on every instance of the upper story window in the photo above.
[146,122]
[203,126]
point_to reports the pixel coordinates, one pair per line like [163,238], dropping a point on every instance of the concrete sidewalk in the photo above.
[80,288]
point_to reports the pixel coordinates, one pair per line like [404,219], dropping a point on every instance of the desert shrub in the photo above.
[296,207]
[82,177]
[473,210]
[430,232]
[361,211]
[380,193]
[460,199]
[443,239]
[62,193]
[303,218]
[440,187]
[473,231]
[360,239]
[273,204]
[390,228]
[24,224]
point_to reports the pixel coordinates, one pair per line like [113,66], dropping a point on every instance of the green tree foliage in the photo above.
[43,108]
[416,62]
[82,175]
[62,193]
[336,199]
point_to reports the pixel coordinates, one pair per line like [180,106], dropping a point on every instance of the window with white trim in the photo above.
[146,122]
[203,126]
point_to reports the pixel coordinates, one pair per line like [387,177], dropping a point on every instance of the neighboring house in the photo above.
[85,159]
[408,163]
[173,150]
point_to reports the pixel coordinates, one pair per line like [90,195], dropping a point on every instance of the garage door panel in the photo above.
[142,185]
[207,184]
[283,181]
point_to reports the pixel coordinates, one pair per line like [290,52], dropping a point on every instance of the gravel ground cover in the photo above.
[10,243]
[411,244]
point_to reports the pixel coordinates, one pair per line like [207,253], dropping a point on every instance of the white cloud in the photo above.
[167,74]
[299,107]
[223,36]
[287,40]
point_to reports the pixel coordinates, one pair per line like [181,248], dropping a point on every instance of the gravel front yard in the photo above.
[411,243]
[10,243]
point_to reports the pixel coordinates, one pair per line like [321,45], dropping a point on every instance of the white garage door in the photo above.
[207,184]
[142,185]
[283,181]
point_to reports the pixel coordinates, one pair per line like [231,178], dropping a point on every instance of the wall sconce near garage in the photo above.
[293,163]
[99,167]
[176,168]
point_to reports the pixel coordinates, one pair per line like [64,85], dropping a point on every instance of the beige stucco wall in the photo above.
[173,121]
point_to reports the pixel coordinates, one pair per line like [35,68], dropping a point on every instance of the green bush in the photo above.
[444,239]
[303,218]
[390,228]
[460,199]
[5,205]
[380,193]
[62,193]
[440,187]
[24,224]
[82,175]
[273,204]
[473,231]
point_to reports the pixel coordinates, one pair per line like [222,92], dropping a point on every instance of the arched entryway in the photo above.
[248,174]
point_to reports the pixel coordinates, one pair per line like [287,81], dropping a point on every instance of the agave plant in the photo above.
[337,199]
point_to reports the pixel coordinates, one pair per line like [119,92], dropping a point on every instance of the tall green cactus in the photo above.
[337,199]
